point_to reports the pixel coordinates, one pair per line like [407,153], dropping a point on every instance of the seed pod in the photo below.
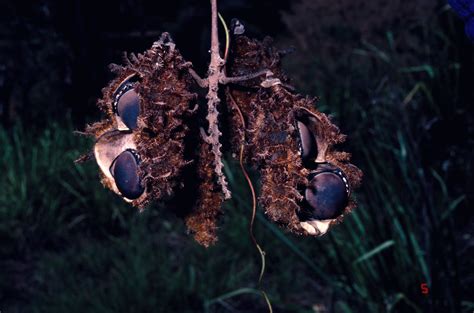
[286,140]
[141,145]
[202,222]
[249,56]
[147,103]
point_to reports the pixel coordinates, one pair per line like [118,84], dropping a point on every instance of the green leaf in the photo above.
[374,251]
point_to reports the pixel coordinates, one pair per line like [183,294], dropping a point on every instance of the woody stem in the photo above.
[214,73]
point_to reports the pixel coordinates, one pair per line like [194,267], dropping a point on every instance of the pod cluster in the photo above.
[305,183]
[149,146]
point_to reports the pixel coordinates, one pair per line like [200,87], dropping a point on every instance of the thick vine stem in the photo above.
[214,74]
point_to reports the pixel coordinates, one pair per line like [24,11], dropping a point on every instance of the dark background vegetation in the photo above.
[395,75]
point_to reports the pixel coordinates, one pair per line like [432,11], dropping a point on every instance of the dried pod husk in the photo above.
[202,221]
[275,119]
[160,79]
[248,56]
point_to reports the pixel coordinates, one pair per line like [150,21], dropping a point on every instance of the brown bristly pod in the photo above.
[202,221]
[140,142]
[306,184]
[248,56]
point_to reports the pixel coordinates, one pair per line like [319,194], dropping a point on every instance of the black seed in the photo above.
[326,196]
[128,108]
[308,146]
[124,169]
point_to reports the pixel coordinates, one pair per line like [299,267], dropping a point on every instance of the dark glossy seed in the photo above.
[326,196]
[128,108]
[124,169]
[308,146]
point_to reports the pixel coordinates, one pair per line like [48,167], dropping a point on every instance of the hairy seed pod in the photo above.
[141,145]
[149,101]
[286,140]
[202,222]
[248,56]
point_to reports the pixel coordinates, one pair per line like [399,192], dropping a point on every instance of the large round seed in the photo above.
[326,196]
[124,169]
[128,108]
[308,145]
